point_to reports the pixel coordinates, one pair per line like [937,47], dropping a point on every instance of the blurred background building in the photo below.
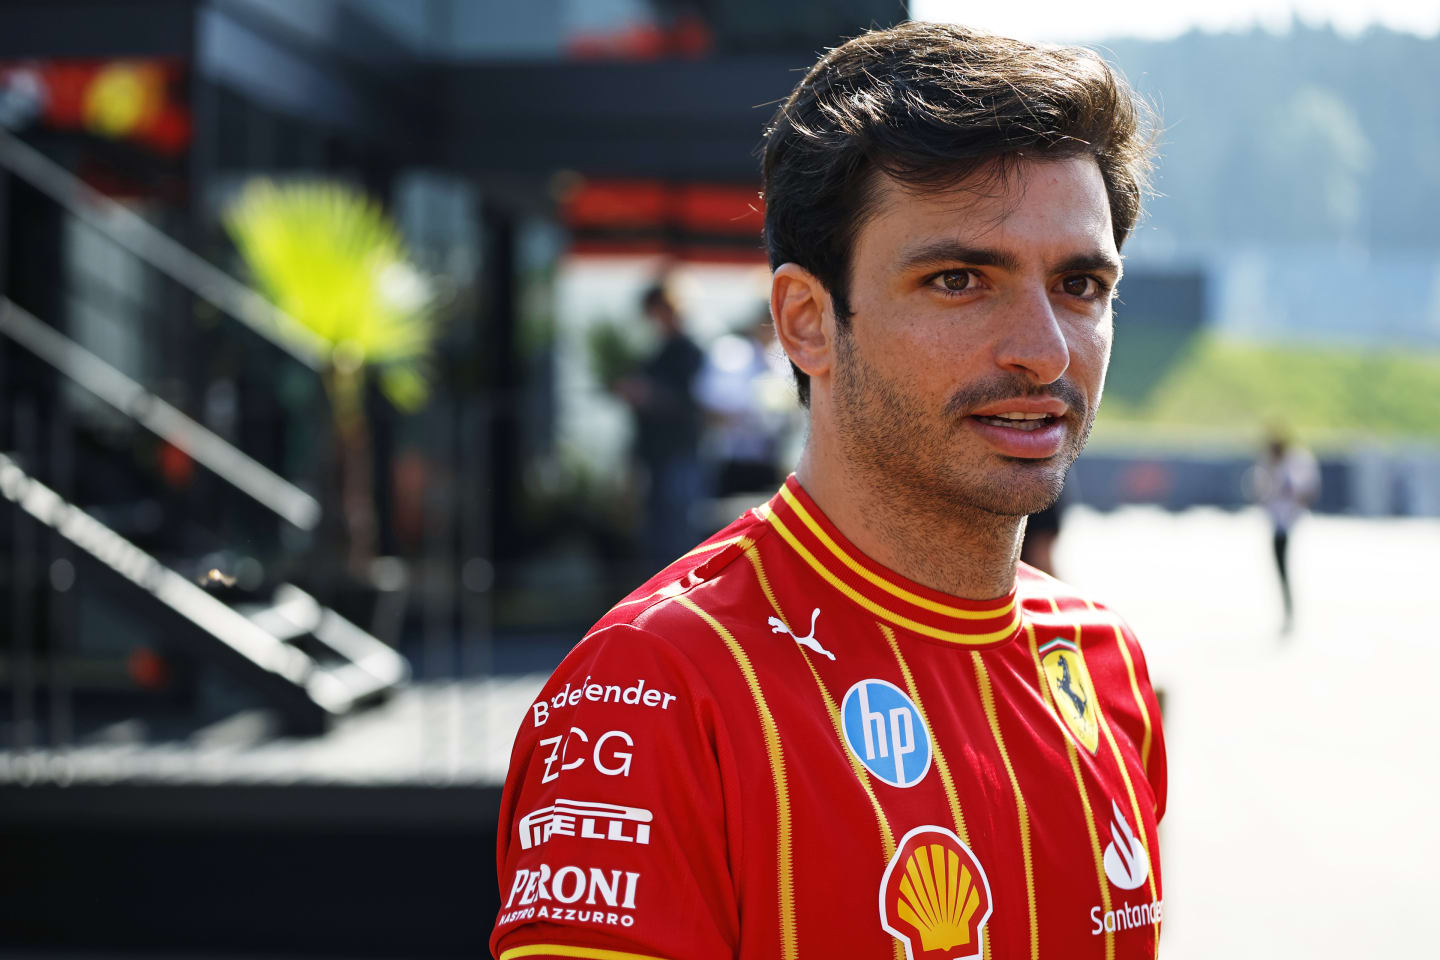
[275,592]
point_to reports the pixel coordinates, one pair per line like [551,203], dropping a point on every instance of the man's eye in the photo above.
[1083,286]
[956,280]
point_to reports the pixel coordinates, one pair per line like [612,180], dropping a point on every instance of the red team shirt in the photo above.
[778,748]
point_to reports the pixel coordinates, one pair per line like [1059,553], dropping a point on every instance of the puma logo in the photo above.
[776,626]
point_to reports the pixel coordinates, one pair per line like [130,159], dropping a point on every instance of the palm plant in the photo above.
[329,258]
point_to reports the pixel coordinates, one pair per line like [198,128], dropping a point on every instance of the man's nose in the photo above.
[1031,341]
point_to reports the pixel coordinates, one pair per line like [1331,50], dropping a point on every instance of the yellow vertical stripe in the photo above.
[785,872]
[1079,780]
[752,553]
[946,780]
[1134,812]
[1125,773]
[987,700]
[887,837]
[1135,691]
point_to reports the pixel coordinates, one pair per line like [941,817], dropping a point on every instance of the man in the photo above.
[1042,530]
[667,428]
[845,725]
[1286,480]
[742,389]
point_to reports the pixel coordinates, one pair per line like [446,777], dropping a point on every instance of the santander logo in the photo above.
[1126,863]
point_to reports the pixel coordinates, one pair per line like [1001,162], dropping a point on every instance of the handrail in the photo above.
[161,251]
[148,573]
[160,418]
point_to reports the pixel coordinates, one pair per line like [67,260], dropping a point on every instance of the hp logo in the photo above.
[884,731]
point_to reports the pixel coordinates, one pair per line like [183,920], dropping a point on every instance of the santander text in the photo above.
[1125,917]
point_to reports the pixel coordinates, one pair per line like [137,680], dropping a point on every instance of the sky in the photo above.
[1071,21]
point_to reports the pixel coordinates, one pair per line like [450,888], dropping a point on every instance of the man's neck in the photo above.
[956,550]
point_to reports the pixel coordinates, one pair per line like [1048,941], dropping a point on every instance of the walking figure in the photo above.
[1286,481]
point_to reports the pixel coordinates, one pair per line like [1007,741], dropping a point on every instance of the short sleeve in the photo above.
[614,833]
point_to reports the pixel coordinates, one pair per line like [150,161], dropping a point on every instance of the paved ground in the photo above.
[436,733]
[1303,774]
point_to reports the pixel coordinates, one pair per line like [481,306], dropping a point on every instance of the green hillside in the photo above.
[1328,395]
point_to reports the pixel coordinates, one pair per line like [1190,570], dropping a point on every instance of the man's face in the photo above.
[980,333]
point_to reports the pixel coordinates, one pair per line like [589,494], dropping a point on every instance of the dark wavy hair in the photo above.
[929,105]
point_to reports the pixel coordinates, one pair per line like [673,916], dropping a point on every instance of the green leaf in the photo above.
[405,387]
[329,257]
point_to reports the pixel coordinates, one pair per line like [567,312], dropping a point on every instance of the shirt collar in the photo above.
[887,595]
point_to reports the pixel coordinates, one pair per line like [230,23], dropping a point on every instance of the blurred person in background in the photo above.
[1286,480]
[745,424]
[854,695]
[1041,531]
[668,421]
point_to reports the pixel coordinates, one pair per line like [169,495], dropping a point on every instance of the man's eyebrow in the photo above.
[947,251]
[1098,261]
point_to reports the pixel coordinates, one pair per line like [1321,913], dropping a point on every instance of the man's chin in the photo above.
[1032,486]
[1017,507]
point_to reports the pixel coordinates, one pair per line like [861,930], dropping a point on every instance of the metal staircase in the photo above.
[306,662]
[309,663]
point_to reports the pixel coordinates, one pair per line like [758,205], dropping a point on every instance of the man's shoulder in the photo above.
[672,605]
[1046,598]
[674,635]
[1057,611]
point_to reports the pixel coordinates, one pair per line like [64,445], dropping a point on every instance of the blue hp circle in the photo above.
[884,731]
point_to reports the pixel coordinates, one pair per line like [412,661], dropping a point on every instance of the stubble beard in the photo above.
[918,455]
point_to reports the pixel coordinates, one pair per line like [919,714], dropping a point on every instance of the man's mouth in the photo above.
[1018,421]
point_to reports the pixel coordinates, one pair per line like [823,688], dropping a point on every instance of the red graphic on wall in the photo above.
[138,100]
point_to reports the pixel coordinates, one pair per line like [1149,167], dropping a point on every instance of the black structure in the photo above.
[251,871]
[203,864]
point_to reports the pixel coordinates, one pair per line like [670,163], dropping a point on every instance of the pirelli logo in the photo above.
[587,820]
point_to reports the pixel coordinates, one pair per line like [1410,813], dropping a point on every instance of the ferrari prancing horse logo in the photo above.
[1071,690]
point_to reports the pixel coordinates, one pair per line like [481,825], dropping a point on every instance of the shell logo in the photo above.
[935,891]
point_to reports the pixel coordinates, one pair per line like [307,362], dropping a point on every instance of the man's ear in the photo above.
[804,318]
